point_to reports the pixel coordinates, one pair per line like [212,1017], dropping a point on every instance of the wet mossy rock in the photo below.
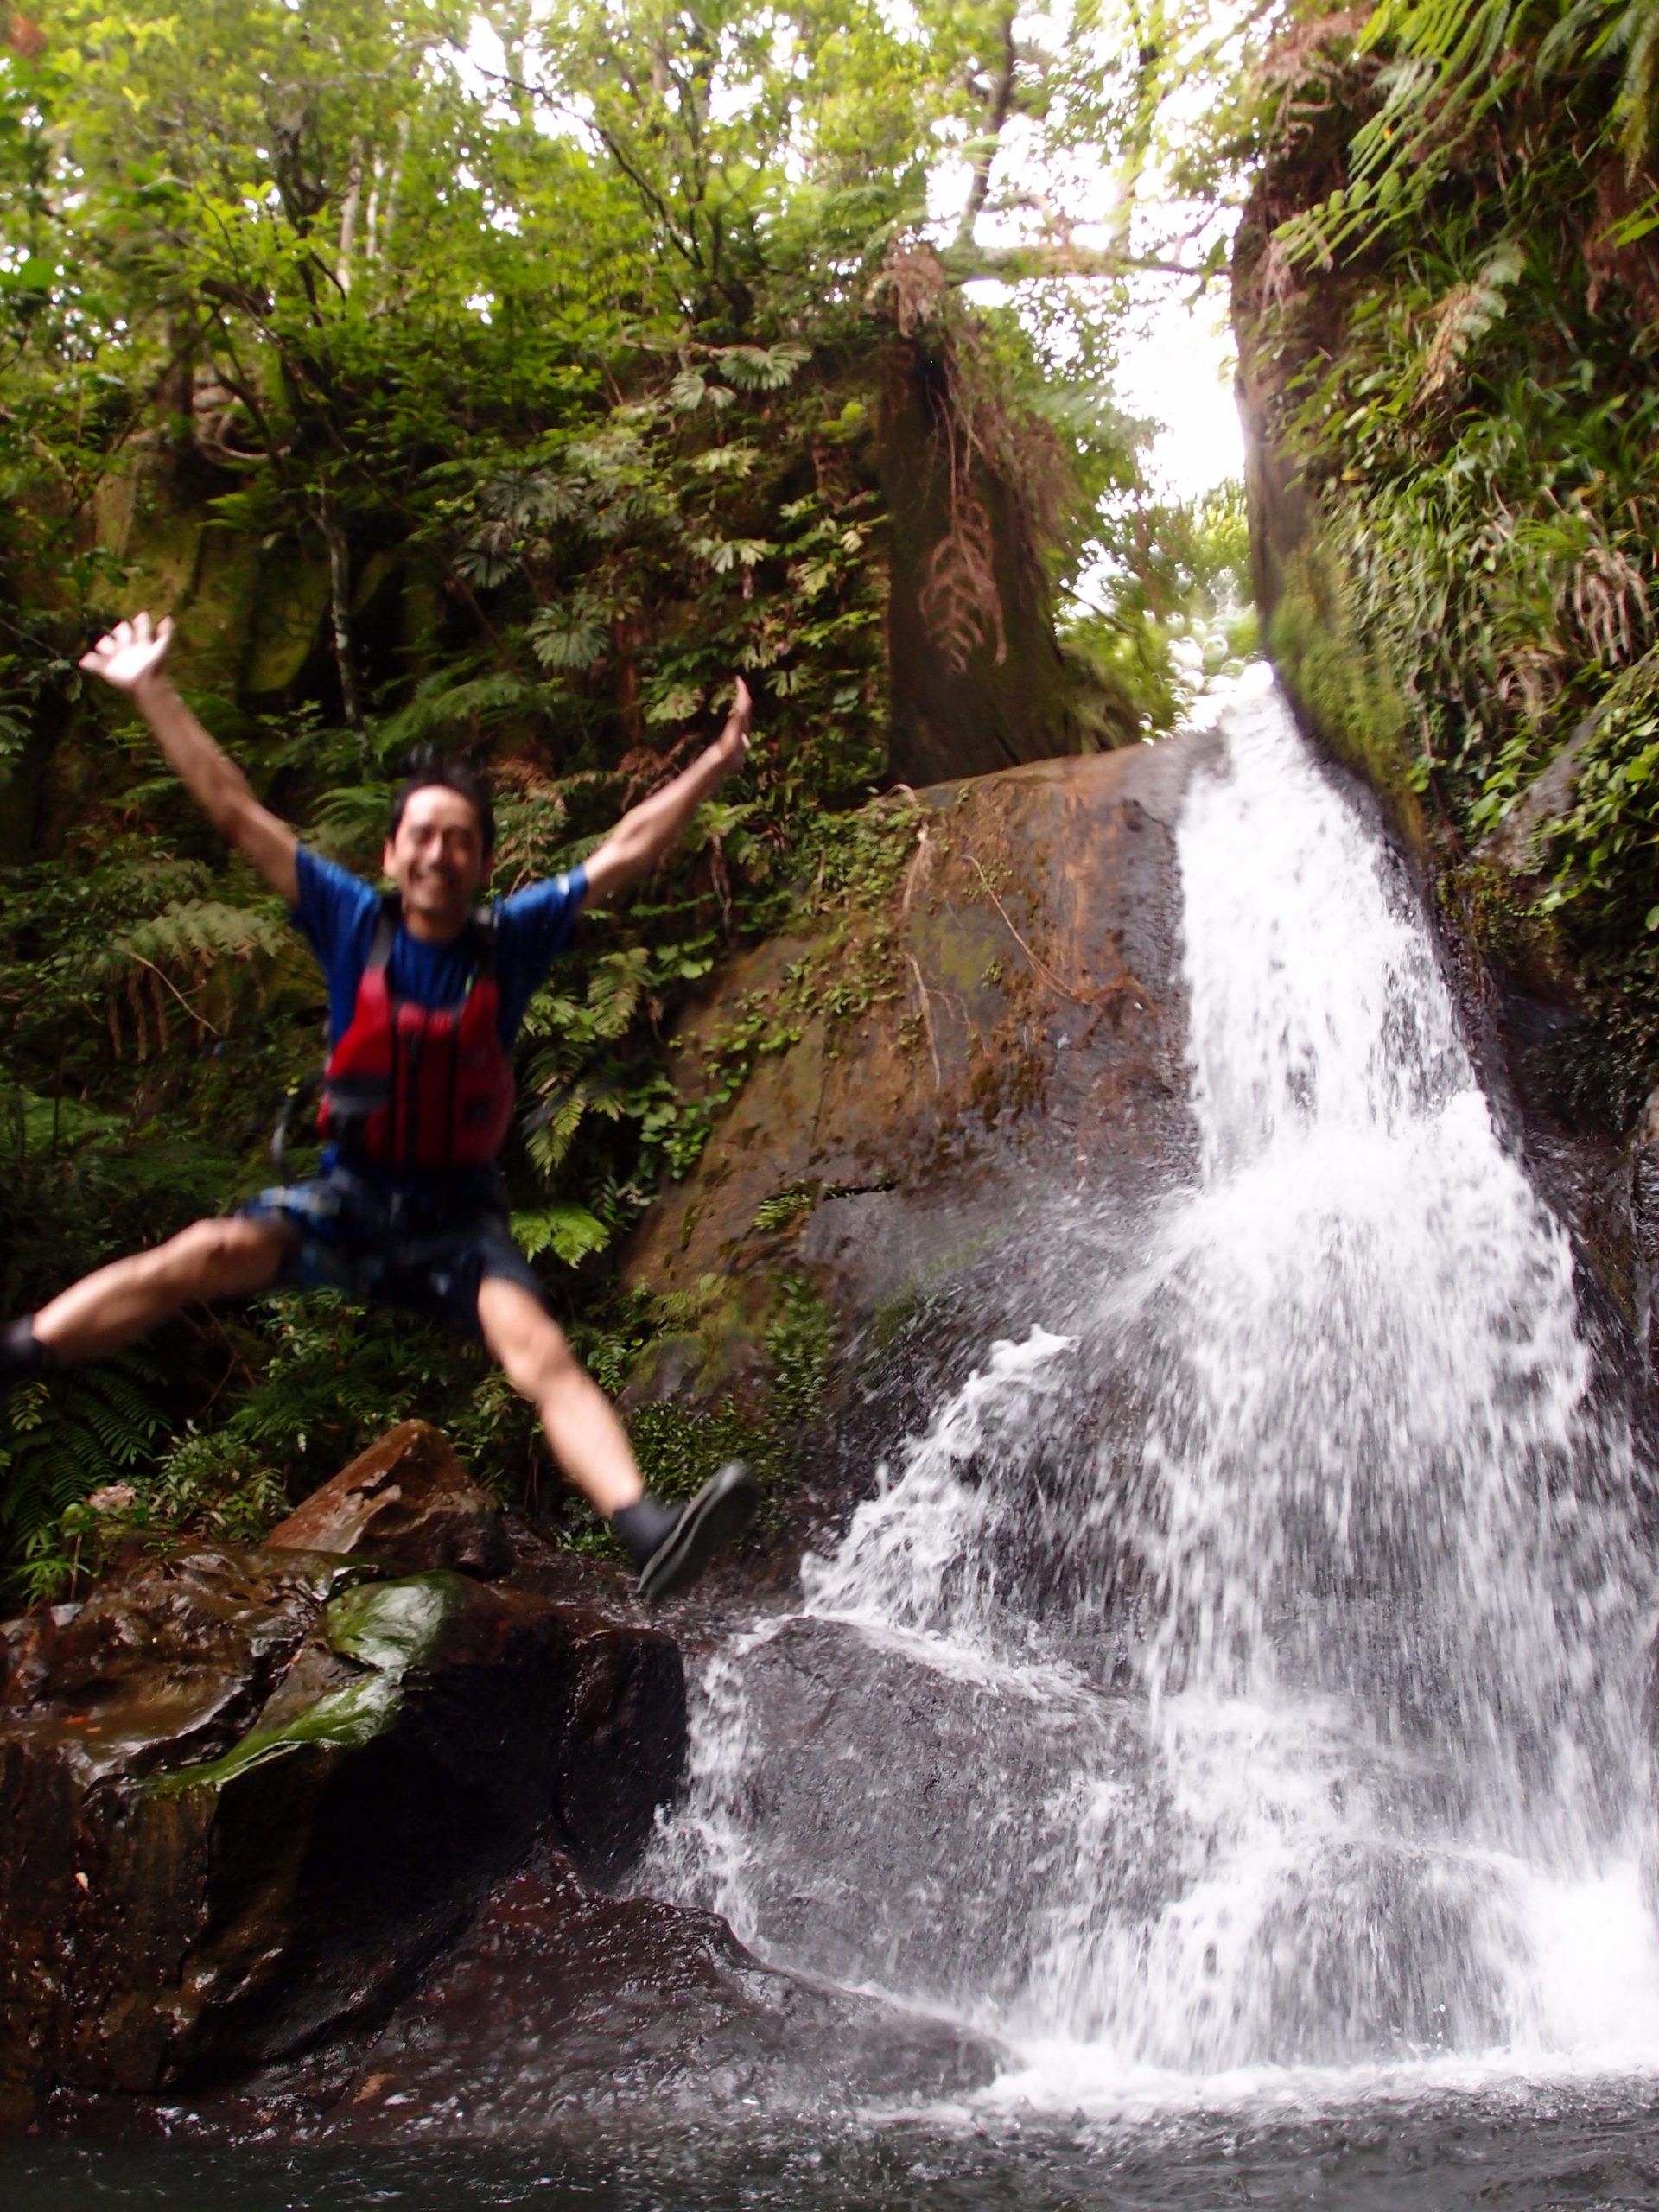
[247,1790]
[1009,1025]
[250,617]
[626,1997]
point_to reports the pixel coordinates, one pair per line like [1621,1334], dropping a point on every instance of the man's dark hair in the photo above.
[426,764]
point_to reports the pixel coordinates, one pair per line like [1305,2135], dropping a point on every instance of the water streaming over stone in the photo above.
[1244,1668]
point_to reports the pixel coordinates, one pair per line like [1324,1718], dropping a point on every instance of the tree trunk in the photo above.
[348,215]
[339,603]
[997,104]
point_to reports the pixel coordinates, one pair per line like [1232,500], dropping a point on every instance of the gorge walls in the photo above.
[1452,552]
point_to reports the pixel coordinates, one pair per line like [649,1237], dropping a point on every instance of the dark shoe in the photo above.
[720,1511]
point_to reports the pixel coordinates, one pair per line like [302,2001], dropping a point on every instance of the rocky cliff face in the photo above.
[1541,1038]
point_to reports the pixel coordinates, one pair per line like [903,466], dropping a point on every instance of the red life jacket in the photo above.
[419,1087]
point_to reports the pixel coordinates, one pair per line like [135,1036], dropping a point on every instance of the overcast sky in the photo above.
[1177,370]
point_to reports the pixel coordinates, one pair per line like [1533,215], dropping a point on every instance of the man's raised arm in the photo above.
[646,832]
[130,657]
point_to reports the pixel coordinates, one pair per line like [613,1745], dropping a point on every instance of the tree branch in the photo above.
[340,608]
[1013,263]
[998,103]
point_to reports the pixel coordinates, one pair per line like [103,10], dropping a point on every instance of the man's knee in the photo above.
[524,1336]
[223,1255]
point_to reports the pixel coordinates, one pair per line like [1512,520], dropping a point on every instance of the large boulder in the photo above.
[561,2011]
[1017,1030]
[248,1790]
[407,1502]
[939,1799]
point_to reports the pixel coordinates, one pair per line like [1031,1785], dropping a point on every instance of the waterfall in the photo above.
[1244,1668]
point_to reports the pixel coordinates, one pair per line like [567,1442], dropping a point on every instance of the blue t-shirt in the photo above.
[338,912]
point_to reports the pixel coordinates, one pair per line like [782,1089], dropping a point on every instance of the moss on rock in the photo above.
[1003,1009]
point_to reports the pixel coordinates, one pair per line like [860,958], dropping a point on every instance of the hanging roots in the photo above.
[979,430]
[960,603]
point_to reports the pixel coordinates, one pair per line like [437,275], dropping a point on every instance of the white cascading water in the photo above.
[1243,1670]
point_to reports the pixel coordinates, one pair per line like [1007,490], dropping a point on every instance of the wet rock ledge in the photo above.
[248,1792]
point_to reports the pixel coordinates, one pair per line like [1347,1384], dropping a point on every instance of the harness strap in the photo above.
[480,927]
[295,1103]
[386,926]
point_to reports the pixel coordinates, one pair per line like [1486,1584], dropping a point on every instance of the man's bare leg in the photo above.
[669,1544]
[118,1304]
[586,1439]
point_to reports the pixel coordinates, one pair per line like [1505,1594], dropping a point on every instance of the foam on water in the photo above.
[1284,1587]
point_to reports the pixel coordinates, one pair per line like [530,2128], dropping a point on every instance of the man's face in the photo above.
[436,857]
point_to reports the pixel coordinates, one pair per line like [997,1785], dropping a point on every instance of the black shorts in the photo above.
[425,1247]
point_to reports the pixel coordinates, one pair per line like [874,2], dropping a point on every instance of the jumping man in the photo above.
[426,992]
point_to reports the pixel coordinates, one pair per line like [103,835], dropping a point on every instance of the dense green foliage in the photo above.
[1462,279]
[510,396]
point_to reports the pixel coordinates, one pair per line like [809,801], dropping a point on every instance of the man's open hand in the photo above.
[735,735]
[646,832]
[129,653]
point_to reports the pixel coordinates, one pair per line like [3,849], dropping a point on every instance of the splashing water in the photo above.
[1244,1670]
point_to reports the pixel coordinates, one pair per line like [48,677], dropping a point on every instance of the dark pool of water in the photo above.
[1588,2153]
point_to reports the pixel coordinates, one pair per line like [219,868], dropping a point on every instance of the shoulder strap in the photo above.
[484,941]
[385,930]
[481,927]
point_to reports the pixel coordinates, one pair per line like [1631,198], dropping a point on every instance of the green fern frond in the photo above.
[569,1232]
[448,709]
[1451,62]
[193,936]
[762,368]
[353,818]
[552,1128]
[80,1432]
[616,990]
